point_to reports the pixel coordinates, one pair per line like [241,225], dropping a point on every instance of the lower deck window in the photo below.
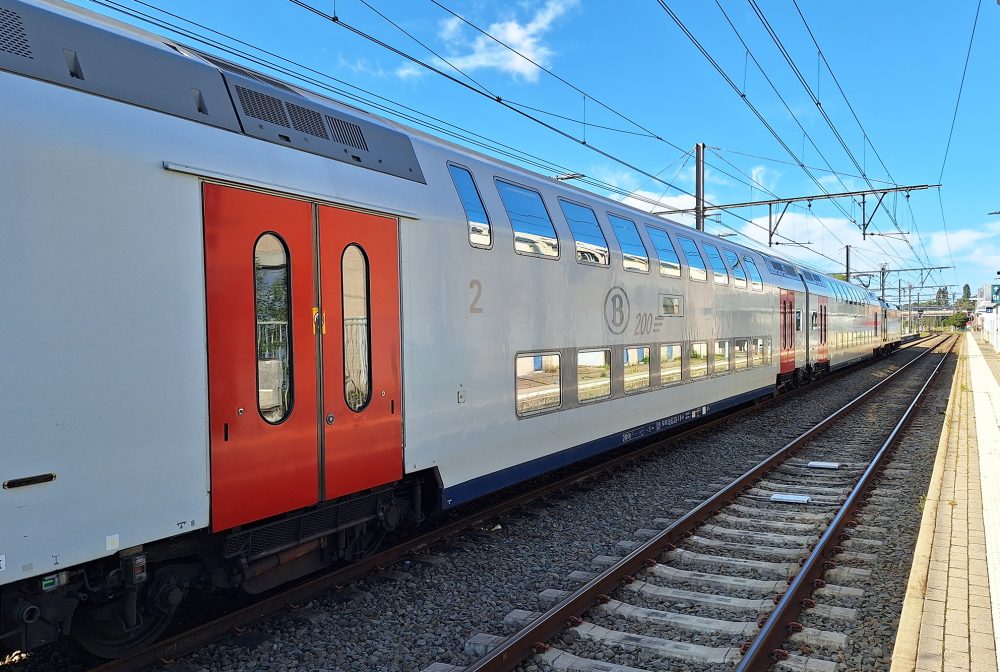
[741,353]
[758,352]
[699,360]
[670,363]
[593,375]
[636,369]
[537,383]
[721,361]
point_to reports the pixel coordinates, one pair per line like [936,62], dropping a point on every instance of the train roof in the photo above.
[71,46]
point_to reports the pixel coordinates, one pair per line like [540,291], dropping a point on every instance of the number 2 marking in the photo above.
[478,287]
[644,325]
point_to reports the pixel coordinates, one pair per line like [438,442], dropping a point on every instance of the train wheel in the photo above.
[102,630]
[364,544]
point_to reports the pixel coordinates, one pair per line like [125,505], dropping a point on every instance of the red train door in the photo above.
[787,340]
[362,390]
[260,289]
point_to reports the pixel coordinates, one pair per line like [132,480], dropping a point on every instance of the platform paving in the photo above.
[949,622]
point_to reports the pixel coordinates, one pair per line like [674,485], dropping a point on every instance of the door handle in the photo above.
[318,320]
[329,418]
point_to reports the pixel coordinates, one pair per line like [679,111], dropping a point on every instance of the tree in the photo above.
[957,320]
[966,292]
[941,298]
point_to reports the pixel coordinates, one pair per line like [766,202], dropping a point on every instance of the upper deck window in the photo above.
[533,230]
[475,213]
[739,275]
[634,255]
[696,263]
[755,280]
[718,266]
[591,247]
[670,264]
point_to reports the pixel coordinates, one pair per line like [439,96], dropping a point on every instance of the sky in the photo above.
[625,94]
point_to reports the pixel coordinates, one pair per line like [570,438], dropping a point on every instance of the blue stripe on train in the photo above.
[483,485]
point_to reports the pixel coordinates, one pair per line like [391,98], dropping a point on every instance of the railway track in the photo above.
[764,573]
[200,635]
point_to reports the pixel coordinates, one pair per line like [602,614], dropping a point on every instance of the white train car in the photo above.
[244,319]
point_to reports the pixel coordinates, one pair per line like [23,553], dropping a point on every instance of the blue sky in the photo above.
[900,64]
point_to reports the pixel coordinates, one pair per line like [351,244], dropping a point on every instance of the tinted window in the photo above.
[699,360]
[759,354]
[755,279]
[357,369]
[696,264]
[671,306]
[721,361]
[475,212]
[533,231]
[636,369]
[537,383]
[670,265]
[591,247]
[670,363]
[741,353]
[738,274]
[634,255]
[274,345]
[593,374]
[721,274]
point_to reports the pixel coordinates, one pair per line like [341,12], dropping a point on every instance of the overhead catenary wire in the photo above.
[297,71]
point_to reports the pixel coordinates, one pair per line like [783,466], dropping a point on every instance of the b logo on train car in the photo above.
[616,310]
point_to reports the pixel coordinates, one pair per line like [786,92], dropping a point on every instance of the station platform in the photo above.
[951,614]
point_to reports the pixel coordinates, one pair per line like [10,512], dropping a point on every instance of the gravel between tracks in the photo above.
[406,623]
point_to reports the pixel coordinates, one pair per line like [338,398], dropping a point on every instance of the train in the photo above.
[250,329]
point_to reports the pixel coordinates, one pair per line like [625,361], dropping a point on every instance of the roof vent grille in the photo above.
[347,133]
[262,106]
[237,70]
[307,121]
[13,39]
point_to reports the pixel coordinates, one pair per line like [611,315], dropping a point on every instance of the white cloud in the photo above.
[409,72]
[484,53]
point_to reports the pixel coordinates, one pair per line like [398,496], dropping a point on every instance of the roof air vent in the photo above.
[262,106]
[347,133]
[235,69]
[13,39]
[307,121]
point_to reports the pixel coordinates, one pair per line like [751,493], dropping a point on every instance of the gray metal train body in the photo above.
[523,324]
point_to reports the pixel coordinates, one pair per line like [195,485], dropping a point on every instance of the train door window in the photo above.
[814,321]
[671,306]
[272,295]
[759,355]
[670,263]
[698,366]
[357,331]
[798,320]
[670,363]
[767,350]
[720,363]
[756,282]
[696,263]
[636,369]
[741,353]
[533,230]
[480,234]
[739,276]
[536,383]
[634,255]
[593,375]
[718,266]
[591,247]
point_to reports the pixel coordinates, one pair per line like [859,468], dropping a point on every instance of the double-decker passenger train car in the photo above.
[248,328]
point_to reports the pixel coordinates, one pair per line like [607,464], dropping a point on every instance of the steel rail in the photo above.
[201,635]
[518,647]
[766,647]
